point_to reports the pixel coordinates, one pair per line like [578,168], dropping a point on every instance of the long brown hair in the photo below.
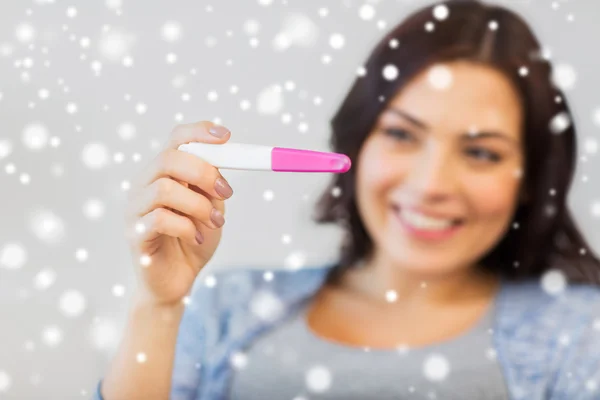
[546,235]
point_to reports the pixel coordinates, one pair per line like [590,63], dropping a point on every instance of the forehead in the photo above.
[459,96]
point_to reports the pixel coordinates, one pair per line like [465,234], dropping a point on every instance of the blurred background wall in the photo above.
[89,91]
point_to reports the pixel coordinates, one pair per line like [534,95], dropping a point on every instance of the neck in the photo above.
[392,284]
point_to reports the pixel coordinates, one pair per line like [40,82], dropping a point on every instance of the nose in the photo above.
[431,175]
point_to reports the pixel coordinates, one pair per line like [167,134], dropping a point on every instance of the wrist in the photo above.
[144,304]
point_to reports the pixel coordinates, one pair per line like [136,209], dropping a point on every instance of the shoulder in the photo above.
[550,306]
[554,328]
[538,299]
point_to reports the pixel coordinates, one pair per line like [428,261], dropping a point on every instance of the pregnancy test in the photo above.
[267,158]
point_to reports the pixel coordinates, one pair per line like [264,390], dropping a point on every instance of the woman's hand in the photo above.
[174,215]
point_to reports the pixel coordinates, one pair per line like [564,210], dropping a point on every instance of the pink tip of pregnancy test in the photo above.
[297,160]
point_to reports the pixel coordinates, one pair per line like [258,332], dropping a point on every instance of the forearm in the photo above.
[143,365]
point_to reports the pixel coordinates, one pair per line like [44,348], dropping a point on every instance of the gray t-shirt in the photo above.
[291,362]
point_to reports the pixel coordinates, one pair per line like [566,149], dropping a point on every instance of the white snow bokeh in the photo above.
[595,209]
[114,4]
[6,49]
[95,155]
[239,360]
[440,77]
[554,282]
[118,290]
[126,131]
[25,33]
[71,108]
[441,12]
[52,335]
[596,116]
[72,303]
[104,334]
[96,66]
[251,27]
[115,44]
[210,281]
[178,82]
[266,305]
[318,379]
[43,93]
[93,209]
[390,72]
[268,195]
[564,76]
[81,255]
[337,41]
[560,122]
[145,260]
[590,145]
[491,354]
[6,148]
[436,367]
[71,12]
[13,255]
[298,29]
[212,96]
[44,278]
[171,31]
[35,136]
[295,260]
[391,296]
[47,226]
[366,12]
[523,71]
[5,381]
[270,100]
[141,108]
[402,349]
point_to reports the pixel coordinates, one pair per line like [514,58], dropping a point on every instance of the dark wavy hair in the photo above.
[546,235]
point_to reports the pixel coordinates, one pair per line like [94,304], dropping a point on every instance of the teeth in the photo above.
[423,222]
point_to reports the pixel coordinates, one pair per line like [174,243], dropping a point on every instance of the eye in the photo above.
[398,133]
[483,154]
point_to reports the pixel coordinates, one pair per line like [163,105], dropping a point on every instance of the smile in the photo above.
[425,227]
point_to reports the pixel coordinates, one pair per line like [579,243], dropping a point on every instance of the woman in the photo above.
[462,276]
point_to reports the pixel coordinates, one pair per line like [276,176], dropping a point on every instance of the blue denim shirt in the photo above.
[548,345]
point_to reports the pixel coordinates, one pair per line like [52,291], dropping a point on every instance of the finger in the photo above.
[161,221]
[167,193]
[218,204]
[189,169]
[197,132]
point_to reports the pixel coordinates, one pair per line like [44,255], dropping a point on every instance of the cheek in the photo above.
[493,195]
[372,167]
[379,175]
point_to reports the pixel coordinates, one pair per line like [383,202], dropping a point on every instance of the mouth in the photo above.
[424,226]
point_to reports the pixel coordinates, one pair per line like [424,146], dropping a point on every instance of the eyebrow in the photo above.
[465,136]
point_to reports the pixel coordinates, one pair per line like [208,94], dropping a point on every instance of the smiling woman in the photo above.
[462,274]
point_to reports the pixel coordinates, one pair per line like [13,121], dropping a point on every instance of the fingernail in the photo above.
[223,188]
[199,237]
[217,218]
[218,131]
